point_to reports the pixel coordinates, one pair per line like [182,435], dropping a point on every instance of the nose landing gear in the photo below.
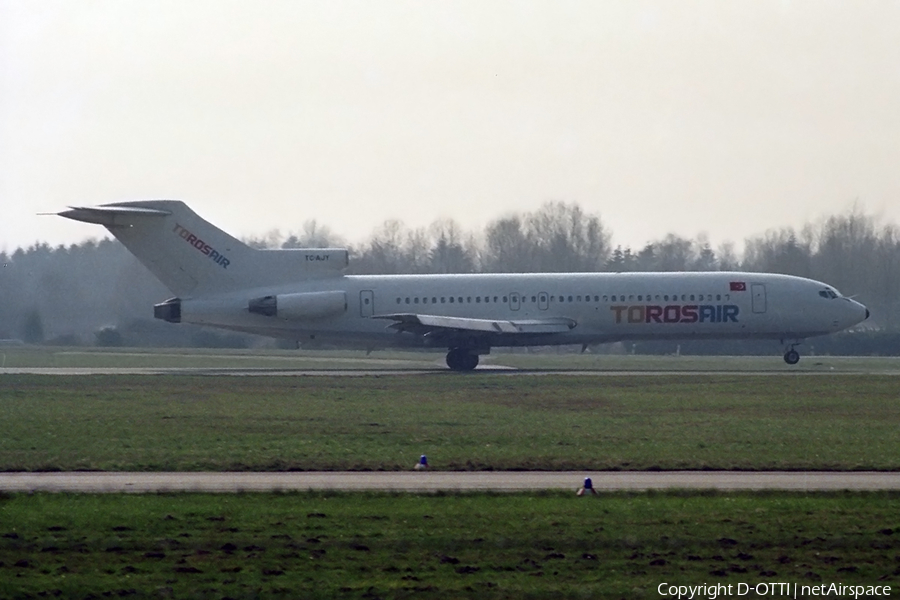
[791,356]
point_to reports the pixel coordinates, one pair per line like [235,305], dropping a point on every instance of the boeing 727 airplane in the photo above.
[303,295]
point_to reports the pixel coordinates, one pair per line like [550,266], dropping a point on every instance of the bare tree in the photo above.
[314,235]
[558,237]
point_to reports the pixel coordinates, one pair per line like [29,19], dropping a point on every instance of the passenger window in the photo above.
[504,299]
[692,297]
[533,299]
[407,300]
[478,299]
[443,298]
[605,298]
[727,297]
[416,300]
[433,300]
[570,298]
[640,298]
[451,299]
[495,298]
[398,300]
[718,296]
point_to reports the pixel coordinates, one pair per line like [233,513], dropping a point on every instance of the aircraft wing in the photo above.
[430,324]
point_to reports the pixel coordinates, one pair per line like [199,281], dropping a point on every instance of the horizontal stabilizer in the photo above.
[426,323]
[110,216]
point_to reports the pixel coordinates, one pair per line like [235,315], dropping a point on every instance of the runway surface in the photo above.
[498,370]
[434,481]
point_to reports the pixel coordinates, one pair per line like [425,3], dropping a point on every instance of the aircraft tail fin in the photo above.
[191,257]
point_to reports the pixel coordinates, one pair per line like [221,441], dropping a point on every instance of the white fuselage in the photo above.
[605,307]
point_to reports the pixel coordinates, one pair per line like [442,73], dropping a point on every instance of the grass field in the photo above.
[470,422]
[368,545]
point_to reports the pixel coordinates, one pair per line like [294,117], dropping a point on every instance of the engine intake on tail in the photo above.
[303,306]
[170,310]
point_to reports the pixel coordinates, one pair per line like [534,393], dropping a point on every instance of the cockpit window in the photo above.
[826,293]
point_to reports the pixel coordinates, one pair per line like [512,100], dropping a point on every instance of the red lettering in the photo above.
[618,310]
[689,314]
[672,314]
[635,314]
[654,313]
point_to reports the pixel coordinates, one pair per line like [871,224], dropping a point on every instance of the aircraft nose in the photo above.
[861,311]
[857,313]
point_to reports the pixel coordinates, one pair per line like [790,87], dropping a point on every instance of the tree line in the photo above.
[91,292]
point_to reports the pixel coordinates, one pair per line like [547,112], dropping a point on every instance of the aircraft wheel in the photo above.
[792,357]
[461,360]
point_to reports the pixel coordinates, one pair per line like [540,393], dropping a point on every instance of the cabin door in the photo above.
[366,303]
[543,301]
[758,290]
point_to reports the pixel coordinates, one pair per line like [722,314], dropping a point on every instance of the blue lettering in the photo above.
[730,313]
[708,313]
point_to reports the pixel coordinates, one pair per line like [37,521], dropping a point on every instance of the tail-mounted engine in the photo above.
[303,306]
[170,310]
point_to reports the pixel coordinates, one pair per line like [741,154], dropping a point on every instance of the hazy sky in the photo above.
[722,117]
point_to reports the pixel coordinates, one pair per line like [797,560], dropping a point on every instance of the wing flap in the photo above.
[429,323]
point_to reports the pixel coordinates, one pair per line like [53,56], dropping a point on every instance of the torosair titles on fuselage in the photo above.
[303,295]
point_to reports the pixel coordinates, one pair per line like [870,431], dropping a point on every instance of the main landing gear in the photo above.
[460,359]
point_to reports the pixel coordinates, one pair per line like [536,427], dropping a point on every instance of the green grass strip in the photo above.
[343,545]
[471,422]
